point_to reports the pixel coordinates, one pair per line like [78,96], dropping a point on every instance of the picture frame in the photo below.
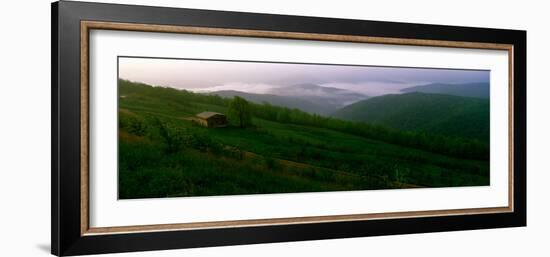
[72,23]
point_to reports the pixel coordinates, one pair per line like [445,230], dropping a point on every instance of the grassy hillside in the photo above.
[163,153]
[433,113]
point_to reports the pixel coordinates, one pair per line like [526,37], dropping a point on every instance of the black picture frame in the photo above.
[66,237]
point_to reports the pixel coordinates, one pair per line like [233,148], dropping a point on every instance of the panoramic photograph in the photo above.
[191,127]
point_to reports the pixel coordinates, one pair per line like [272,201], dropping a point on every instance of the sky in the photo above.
[260,77]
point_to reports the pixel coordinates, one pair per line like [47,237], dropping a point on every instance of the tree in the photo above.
[240,109]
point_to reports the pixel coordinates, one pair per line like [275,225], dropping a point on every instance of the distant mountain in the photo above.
[306,97]
[284,101]
[433,113]
[324,95]
[479,90]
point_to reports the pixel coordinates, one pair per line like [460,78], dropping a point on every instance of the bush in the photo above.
[132,124]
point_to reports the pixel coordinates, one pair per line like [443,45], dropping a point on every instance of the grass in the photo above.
[164,154]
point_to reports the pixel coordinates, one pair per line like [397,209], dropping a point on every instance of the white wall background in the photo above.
[25,127]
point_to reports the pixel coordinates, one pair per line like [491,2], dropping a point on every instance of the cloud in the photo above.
[255,88]
[259,77]
[369,88]
[372,88]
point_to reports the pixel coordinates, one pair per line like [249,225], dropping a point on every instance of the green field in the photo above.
[163,153]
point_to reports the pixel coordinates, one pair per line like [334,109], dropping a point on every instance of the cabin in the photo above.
[211,119]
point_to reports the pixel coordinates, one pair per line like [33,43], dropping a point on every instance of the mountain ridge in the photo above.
[307,97]
[284,101]
[433,113]
[477,89]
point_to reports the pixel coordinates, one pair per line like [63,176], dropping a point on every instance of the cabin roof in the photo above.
[206,115]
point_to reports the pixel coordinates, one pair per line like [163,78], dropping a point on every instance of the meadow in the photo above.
[163,153]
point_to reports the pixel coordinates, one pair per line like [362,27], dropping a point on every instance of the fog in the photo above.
[260,77]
